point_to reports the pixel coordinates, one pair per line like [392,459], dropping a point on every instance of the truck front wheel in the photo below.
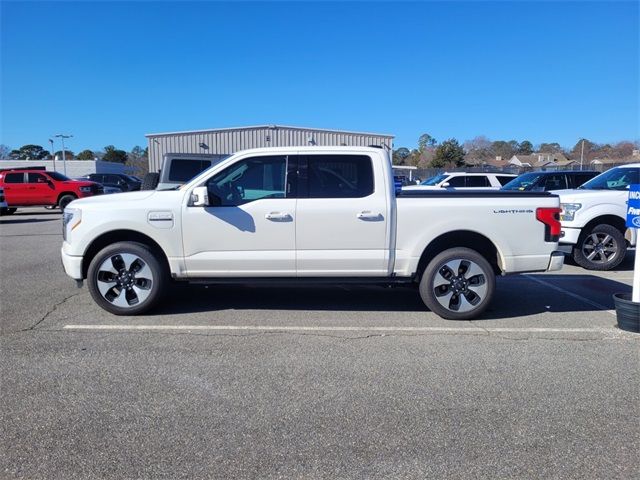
[458,284]
[126,278]
[602,247]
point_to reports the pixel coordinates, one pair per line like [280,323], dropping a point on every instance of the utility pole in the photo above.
[53,154]
[64,157]
[582,154]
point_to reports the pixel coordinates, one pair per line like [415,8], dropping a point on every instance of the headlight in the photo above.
[71,218]
[85,189]
[568,211]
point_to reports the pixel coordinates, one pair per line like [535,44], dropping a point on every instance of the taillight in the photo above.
[551,219]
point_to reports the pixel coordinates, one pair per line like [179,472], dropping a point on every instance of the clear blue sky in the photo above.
[110,72]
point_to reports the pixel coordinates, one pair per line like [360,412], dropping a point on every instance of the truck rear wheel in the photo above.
[458,284]
[603,247]
[126,278]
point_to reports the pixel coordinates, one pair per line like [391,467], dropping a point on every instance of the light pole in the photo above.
[64,158]
[582,154]
[53,154]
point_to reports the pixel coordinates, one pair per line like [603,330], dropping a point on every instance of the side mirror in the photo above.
[445,185]
[199,197]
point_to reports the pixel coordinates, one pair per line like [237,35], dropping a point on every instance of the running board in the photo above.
[301,281]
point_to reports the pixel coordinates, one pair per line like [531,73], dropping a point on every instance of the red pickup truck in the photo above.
[34,186]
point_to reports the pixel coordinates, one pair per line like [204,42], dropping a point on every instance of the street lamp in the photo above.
[53,155]
[64,158]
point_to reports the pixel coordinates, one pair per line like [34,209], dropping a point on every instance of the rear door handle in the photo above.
[368,215]
[278,217]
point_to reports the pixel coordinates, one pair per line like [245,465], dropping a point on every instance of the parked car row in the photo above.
[35,186]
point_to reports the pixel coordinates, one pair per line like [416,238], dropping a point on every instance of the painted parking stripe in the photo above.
[571,294]
[276,328]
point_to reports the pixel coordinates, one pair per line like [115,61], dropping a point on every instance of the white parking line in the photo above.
[571,294]
[276,328]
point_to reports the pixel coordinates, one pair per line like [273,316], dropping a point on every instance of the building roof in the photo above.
[270,127]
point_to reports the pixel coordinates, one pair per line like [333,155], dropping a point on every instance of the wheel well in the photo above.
[461,238]
[121,236]
[616,222]
[66,193]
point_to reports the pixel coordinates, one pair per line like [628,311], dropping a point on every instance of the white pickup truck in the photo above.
[594,216]
[308,214]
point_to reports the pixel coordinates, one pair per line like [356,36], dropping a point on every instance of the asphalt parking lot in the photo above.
[259,382]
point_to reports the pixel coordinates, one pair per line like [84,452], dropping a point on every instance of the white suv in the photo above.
[456,180]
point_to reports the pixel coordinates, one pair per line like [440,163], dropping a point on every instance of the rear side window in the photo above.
[577,180]
[477,181]
[504,180]
[14,178]
[339,176]
[183,170]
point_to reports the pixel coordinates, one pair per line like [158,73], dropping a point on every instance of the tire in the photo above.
[449,291]
[150,181]
[603,247]
[126,278]
[7,211]
[65,200]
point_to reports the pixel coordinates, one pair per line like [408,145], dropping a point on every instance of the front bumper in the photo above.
[72,265]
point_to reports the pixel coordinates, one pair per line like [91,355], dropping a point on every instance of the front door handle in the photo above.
[278,216]
[368,215]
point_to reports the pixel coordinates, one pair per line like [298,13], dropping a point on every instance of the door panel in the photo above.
[39,190]
[15,188]
[344,233]
[251,230]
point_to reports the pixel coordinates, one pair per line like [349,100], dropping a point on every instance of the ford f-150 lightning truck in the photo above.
[308,214]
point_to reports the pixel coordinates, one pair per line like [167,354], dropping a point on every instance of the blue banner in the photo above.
[633,207]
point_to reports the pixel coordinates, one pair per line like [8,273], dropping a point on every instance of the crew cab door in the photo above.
[40,189]
[342,216]
[248,229]
[15,188]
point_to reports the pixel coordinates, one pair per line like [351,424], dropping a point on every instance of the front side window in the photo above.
[456,182]
[339,176]
[503,179]
[249,180]
[555,182]
[36,178]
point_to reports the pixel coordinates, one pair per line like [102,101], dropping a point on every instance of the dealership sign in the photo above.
[633,207]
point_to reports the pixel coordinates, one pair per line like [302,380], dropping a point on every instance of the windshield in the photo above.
[434,180]
[615,179]
[525,181]
[58,176]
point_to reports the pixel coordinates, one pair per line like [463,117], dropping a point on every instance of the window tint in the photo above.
[339,176]
[183,170]
[456,181]
[555,182]
[579,179]
[477,181]
[504,180]
[14,178]
[250,179]
[36,178]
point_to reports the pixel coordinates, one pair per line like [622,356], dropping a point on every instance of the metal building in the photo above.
[226,141]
